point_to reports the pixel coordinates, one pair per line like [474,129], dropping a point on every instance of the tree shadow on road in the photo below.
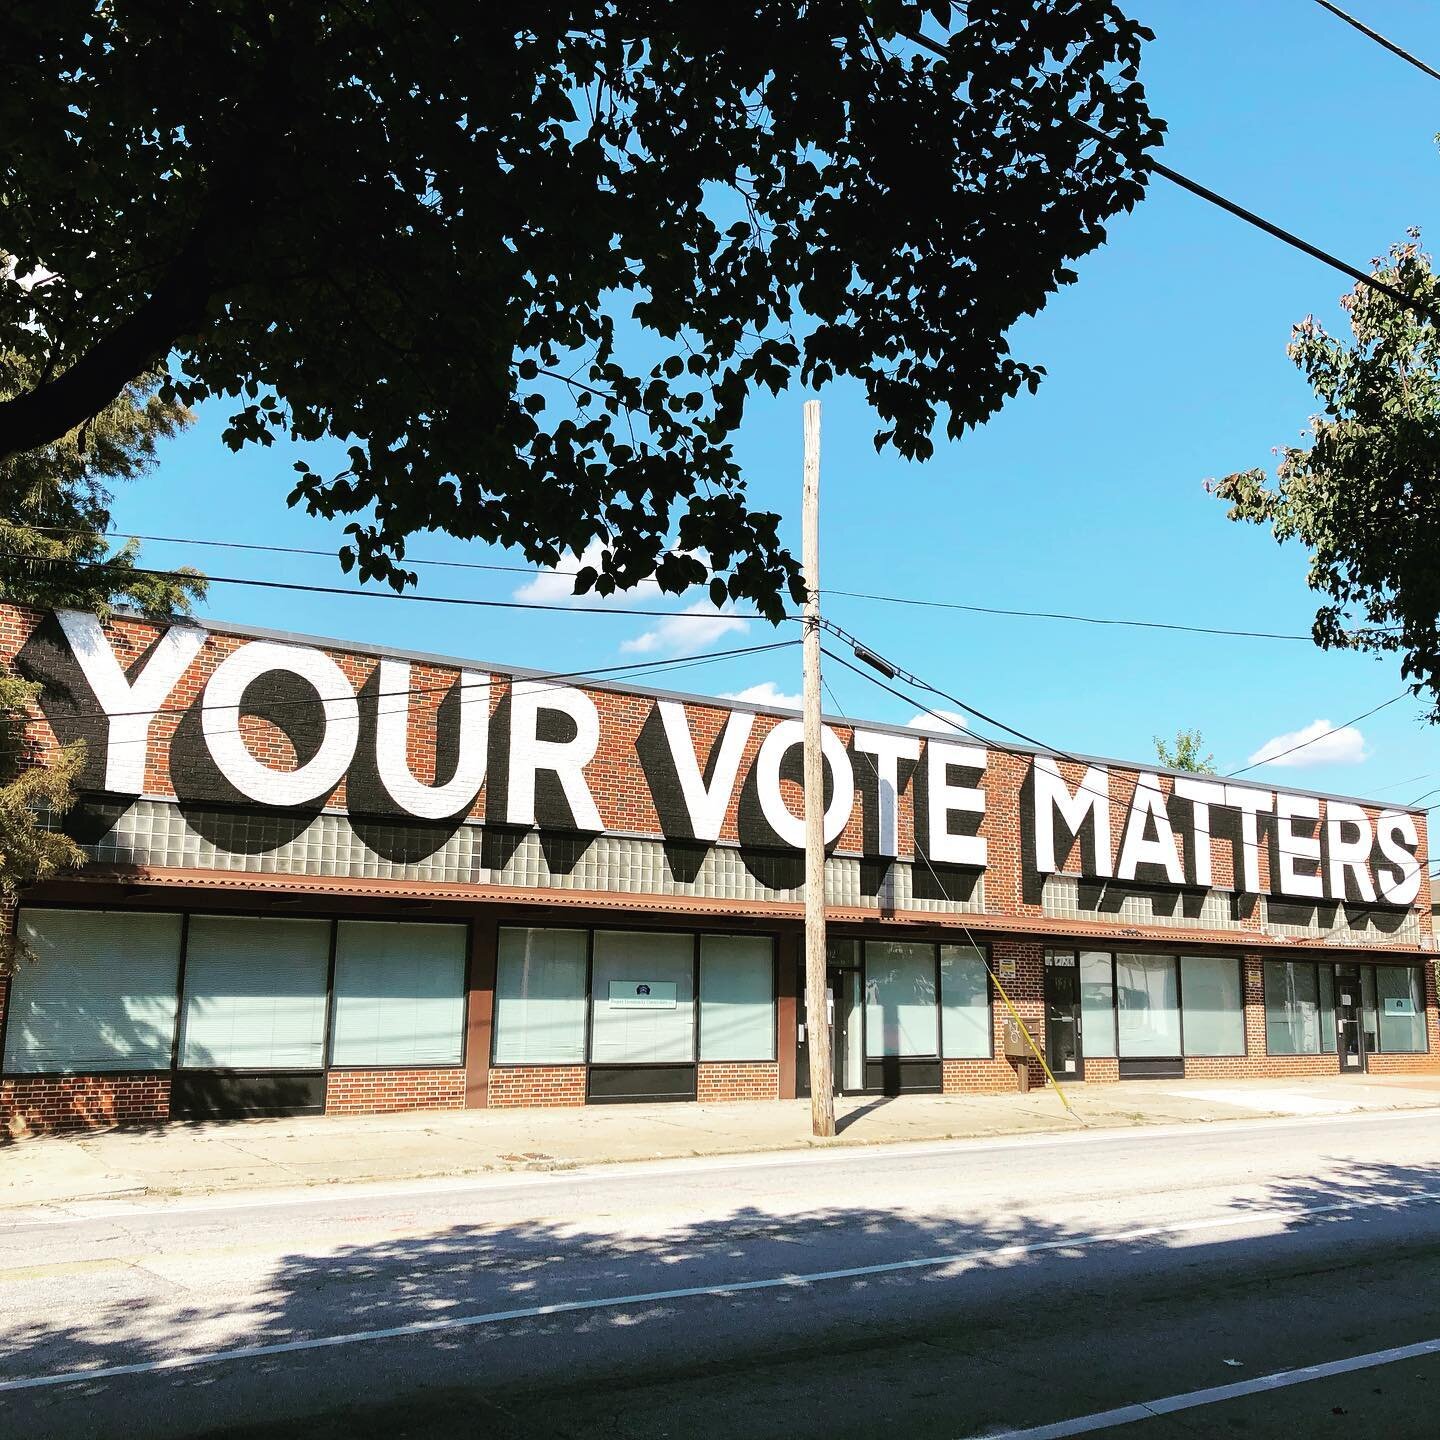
[816,1291]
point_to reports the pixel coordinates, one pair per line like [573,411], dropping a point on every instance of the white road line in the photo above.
[984,1254]
[103,1209]
[1194,1399]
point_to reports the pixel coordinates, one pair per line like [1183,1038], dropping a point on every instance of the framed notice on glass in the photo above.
[642,995]
[1399,1005]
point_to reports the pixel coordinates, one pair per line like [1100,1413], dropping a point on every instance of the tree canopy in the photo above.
[1363,496]
[1185,754]
[529,262]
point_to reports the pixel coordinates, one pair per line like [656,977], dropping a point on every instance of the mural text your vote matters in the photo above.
[212,717]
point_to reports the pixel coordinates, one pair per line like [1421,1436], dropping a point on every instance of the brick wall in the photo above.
[737,1080]
[44,1103]
[378,1092]
[546,1085]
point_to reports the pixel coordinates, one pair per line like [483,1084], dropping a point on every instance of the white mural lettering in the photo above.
[1147,809]
[705,805]
[945,800]
[129,706]
[1295,851]
[565,759]
[1052,797]
[392,761]
[220,721]
[1349,856]
[886,751]
[789,828]
[1399,839]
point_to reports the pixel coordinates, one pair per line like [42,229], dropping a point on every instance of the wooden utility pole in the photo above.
[817,1008]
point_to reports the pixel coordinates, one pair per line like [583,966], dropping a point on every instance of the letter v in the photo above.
[705,804]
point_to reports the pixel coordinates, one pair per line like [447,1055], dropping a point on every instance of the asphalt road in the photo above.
[955,1290]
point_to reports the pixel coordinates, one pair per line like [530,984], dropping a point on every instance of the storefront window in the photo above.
[1214,1010]
[1097,1003]
[255,993]
[1369,1016]
[964,1003]
[1400,998]
[737,997]
[1149,1005]
[540,997]
[399,993]
[643,998]
[900,1010]
[99,993]
[1292,1008]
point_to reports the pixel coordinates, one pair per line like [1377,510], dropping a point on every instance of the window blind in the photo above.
[255,993]
[737,998]
[964,1003]
[540,998]
[99,994]
[657,1027]
[399,994]
[901,1016]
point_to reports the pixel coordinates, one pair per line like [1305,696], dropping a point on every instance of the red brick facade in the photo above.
[550,1086]
[41,1103]
[1013,923]
[737,1080]
[378,1092]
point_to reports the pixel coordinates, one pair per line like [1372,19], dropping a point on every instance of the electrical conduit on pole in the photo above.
[817,1006]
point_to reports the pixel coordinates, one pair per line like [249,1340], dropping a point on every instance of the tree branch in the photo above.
[52,409]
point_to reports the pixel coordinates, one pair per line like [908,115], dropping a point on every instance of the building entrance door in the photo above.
[843,994]
[1349,1029]
[1064,1051]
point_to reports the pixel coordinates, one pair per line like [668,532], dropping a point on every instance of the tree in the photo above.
[1186,753]
[529,263]
[54,515]
[1364,495]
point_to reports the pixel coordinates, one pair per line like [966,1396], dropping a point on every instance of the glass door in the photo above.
[844,997]
[1063,1050]
[1349,1010]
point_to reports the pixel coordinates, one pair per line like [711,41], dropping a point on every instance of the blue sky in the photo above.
[1166,366]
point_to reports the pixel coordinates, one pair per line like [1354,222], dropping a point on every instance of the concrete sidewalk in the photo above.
[179,1159]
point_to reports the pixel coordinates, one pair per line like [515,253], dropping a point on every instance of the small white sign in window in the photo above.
[642,995]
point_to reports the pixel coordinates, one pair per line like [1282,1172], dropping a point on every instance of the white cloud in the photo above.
[1345,746]
[941,722]
[556,586]
[680,635]
[765,693]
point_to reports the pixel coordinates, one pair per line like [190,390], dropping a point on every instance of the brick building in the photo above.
[324,877]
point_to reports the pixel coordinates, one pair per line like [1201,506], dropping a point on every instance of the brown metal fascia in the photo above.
[329,887]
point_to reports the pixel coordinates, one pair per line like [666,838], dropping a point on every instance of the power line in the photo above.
[569,574]
[1324,734]
[900,673]
[535,570]
[1213,197]
[411,597]
[543,676]
[1409,780]
[1379,39]
[1063,615]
